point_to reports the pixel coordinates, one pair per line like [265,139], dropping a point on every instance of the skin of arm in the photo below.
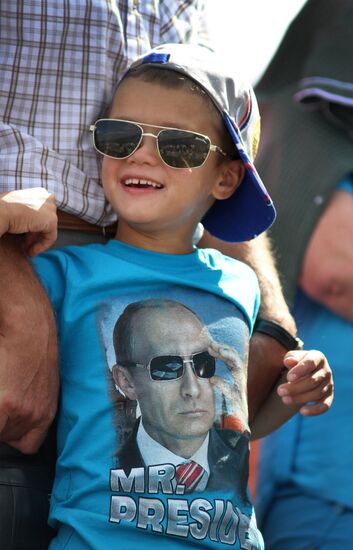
[29,380]
[307,387]
[327,269]
[266,354]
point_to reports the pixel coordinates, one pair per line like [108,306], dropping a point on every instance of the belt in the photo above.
[74,223]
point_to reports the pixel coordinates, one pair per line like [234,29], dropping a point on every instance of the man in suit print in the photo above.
[165,359]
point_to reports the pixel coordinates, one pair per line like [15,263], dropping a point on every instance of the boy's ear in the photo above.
[230,177]
[124,381]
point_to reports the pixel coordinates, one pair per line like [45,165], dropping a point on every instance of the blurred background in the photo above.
[249,31]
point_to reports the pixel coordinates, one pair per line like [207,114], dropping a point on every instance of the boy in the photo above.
[172,323]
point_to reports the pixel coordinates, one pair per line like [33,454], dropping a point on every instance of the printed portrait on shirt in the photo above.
[179,393]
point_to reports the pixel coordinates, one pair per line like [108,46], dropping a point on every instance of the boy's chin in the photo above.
[156,232]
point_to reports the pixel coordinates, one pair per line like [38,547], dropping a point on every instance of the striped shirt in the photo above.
[60,61]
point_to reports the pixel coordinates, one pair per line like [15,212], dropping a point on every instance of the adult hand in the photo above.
[28,353]
[309,382]
[30,211]
[327,270]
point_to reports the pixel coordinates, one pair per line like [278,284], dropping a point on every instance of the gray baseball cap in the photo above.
[250,210]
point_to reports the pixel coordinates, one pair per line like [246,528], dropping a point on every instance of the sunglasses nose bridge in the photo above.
[189,362]
[192,370]
[190,383]
[148,134]
[141,142]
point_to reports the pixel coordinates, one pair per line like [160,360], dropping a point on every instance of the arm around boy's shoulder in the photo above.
[28,346]
[236,281]
[28,331]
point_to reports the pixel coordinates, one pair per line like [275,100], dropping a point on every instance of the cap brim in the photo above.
[249,211]
[243,216]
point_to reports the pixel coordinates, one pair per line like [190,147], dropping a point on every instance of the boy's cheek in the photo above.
[109,170]
[105,167]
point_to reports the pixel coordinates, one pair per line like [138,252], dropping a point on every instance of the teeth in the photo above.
[144,183]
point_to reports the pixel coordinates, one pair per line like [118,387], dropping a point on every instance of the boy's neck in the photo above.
[167,242]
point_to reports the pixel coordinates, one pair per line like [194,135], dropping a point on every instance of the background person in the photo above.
[306,101]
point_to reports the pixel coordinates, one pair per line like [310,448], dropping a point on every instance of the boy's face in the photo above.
[148,195]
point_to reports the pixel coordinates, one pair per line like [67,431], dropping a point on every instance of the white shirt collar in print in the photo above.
[153,452]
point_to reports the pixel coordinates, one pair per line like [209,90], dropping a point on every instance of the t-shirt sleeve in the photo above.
[254,296]
[238,283]
[51,269]
[346,184]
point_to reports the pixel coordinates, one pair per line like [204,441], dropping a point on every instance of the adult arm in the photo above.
[266,354]
[327,269]
[28,352]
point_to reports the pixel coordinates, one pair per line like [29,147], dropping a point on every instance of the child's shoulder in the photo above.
[65,260]
[215,259]
[235,281]
[82,252]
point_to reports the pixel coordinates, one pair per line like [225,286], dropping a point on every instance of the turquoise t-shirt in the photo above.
[152,428]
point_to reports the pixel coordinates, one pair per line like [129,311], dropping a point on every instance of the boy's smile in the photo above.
[138,184]
[153,200]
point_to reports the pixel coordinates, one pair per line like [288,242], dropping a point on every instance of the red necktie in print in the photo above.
[189,474]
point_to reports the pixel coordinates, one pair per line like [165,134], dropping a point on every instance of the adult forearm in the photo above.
[273,413]
[28,353]
[258,254]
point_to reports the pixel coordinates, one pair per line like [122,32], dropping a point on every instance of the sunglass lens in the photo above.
[116,138]
[181,149]
[204,365]
[166,367]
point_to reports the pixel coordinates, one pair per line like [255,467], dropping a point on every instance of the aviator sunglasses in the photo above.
[171,367]
[119,139]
